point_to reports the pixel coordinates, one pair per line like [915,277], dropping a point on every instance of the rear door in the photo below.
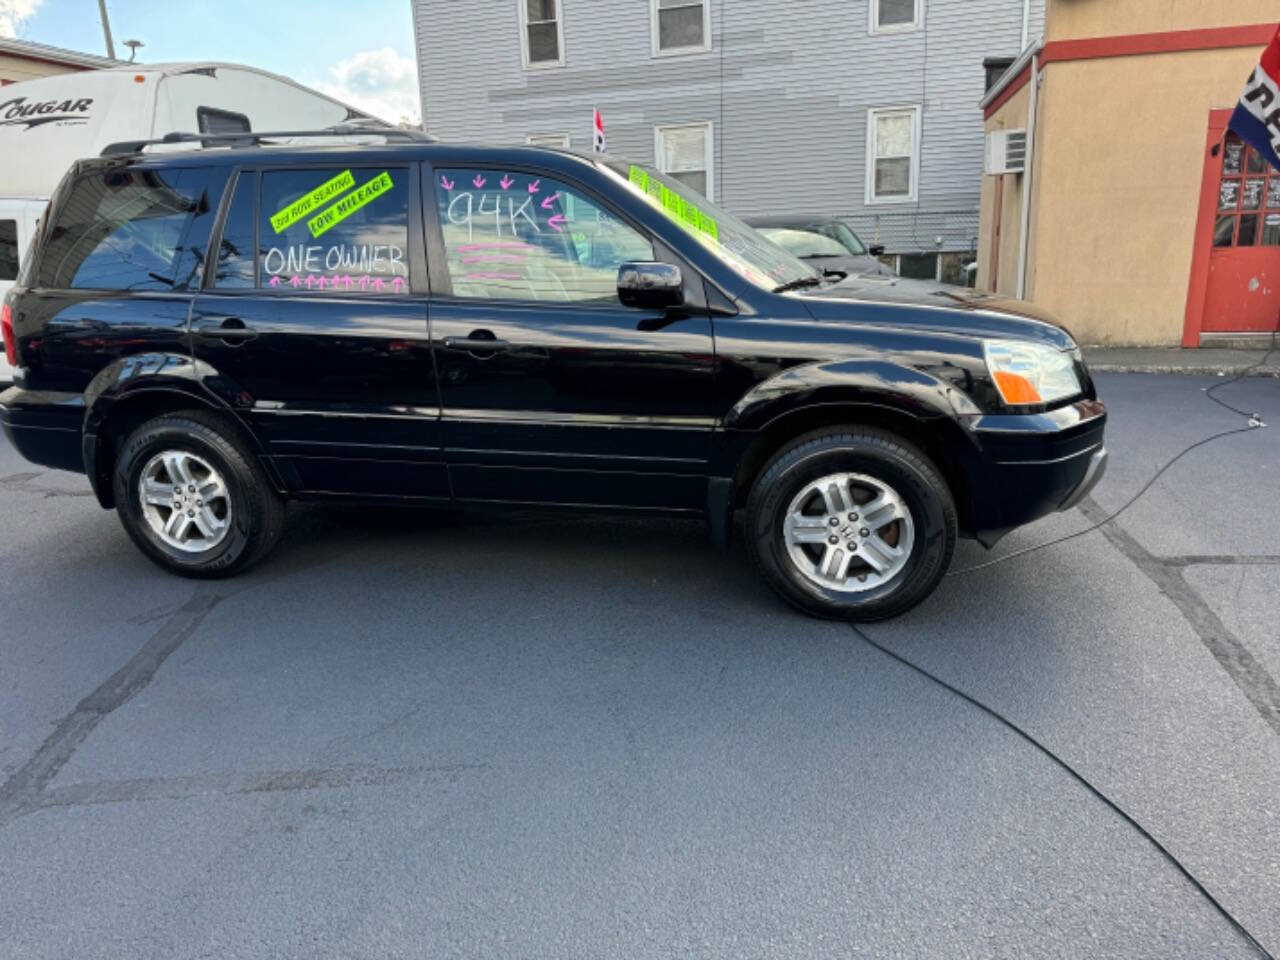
[551,390]
[315,323]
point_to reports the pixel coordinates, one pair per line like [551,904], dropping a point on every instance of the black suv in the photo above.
[209,333]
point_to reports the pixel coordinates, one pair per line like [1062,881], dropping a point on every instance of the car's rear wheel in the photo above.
[193,498]
[852,524]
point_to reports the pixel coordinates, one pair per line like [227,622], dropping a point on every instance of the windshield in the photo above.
[742,248]
[838,231]
[803,243]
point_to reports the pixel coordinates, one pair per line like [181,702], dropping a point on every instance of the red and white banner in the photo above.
[597,133]
[1257,118]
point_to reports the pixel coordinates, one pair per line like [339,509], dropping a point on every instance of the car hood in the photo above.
[934,306]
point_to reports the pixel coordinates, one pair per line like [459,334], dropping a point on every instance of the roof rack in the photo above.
[257,138]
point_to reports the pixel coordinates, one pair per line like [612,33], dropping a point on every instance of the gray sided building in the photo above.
[862,109]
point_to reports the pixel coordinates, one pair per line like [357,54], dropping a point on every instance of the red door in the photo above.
[1242,294]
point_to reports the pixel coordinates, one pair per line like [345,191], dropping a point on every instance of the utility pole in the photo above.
[106,29]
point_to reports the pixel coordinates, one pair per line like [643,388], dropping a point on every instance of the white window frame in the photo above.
[522,12]
[872,115]
[679,51]
[565,142]
[873,21]
[709,149]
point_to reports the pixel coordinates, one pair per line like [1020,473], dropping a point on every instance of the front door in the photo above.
[551,390]
[321,338]
[1243,292]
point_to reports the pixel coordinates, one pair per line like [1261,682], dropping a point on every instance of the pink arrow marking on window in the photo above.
[377,283]
[296,281]
[446,182]
[478,181]
[506,182]
[556,223]
[310,280]
[535,186]
[274,281]
[397,283]
[364,281]
[546,204]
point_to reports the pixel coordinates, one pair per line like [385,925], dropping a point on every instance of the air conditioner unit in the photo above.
[1006,151]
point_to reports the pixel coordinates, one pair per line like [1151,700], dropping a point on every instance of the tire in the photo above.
[243,522]
[790,532]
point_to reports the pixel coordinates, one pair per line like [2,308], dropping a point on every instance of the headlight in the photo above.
[1027,373]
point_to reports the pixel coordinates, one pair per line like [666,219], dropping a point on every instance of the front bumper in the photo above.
[44,426]
[1035,464]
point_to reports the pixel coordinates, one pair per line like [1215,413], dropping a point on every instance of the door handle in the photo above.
[475,343]
[226,328]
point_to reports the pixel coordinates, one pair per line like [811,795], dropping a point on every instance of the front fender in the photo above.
[865,382]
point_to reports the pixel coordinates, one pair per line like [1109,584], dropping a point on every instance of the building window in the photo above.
[680,26]
[893,154]
[558,140]
[541,33]
[684,153]
[993,68]
[896,16]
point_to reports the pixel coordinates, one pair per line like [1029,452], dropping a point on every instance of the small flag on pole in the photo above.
[1257,118]
[597,133]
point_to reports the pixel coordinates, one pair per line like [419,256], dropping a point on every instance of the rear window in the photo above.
[342,229]
[130,229]
[8,249]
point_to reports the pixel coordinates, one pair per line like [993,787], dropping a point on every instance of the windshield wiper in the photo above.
[799,283]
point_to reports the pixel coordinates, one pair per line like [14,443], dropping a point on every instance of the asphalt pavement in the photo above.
[432,735]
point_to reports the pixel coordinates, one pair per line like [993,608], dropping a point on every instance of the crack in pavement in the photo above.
[225,784]
[22,483]
[1244,669]
[1223,560]
[21,792]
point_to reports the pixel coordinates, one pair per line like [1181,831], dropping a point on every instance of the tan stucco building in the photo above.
[1146,221]
[22,60]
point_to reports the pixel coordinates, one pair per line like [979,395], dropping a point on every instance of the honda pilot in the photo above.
[209,333]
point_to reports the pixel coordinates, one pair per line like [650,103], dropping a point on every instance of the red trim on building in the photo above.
[1202,246]
[1007,94]
[1137,44]
[1172,41]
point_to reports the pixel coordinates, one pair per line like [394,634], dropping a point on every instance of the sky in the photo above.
[362,53]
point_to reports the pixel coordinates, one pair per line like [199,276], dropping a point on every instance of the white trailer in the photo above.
[49,123]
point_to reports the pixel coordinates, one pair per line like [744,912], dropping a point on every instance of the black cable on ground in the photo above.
[1255,422]
[1079,778]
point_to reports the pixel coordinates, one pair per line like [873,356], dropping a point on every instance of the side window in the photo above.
[334,228]
[236,259]
[131,228]
[8,249]
[518,236]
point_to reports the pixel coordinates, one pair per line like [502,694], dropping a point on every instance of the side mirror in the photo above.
[650,286]
[876,249]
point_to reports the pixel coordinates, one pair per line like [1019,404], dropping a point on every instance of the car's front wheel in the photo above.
[852,523]
[193,498]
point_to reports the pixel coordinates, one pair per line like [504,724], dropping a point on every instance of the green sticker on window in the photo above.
[364,194]
[312,200]
[688,215]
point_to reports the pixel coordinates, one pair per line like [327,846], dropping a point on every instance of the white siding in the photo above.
[786,84]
